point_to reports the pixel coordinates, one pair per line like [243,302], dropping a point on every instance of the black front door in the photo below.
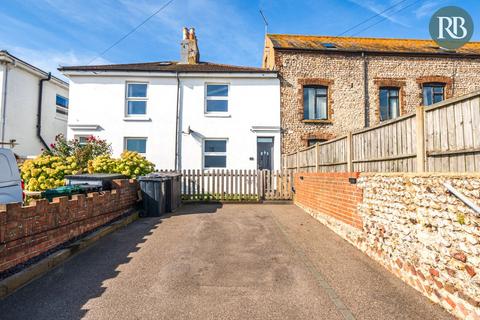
[265,153]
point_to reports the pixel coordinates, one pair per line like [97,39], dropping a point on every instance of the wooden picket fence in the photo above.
[236,185]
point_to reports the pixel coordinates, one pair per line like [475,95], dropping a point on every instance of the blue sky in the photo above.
[49,33]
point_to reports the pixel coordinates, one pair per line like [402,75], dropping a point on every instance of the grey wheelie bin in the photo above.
[154,196]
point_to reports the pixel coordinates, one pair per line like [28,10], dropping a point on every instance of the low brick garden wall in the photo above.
[415,228]
[330,194]
[26,232]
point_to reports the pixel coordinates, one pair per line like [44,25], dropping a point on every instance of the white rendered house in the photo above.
[181,115]
[33,106]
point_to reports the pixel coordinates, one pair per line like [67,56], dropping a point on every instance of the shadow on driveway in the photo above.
[63,292]
[195,208]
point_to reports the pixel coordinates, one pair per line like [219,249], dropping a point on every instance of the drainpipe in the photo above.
[177,126]
[39,110]
[454,76]
[4,101]
[365,88]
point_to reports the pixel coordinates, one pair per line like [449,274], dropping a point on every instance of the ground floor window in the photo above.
[82,140]
[136,144]
[215,153]
[314,141]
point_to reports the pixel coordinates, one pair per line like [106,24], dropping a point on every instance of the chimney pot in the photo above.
[189,53]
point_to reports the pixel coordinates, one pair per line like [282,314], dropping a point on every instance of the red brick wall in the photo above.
[26,232]
[331,194]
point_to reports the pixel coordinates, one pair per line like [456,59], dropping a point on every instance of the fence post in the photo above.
[420,139]
[317,147]
[297,154]
[349,152]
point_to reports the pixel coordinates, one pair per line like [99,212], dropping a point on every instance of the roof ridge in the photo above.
[163,62]
[231,65]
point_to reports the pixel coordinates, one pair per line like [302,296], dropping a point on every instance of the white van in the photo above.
[10,182]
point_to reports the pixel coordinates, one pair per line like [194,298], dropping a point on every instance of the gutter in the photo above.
[385,53]
[4,101]
[177,125]
[39,110]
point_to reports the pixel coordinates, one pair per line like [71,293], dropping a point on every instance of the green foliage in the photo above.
[130,164]
[84,152]
[47,172]
[461,218]
[218,197]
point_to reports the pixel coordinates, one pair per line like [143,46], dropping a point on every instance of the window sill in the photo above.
[65,119]
[137,119]
[218,115]
[318,121]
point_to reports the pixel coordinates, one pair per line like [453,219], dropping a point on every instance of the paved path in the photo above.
[212,262]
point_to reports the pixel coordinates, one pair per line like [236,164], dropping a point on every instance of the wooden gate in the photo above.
[236,185]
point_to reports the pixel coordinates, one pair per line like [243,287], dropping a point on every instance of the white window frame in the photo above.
[227,98]
[214,153]
[77,137]
[61,111]
[127,99]
[125,139]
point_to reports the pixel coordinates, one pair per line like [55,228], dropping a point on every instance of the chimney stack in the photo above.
[189,53]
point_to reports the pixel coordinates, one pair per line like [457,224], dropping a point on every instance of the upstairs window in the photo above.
[389,103]
[315,103]
[214,153]
[433,93]
[216,98]
[136,99]
[62,104]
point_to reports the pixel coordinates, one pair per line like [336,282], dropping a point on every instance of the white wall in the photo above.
[99,100]
[251,102]
[21,111]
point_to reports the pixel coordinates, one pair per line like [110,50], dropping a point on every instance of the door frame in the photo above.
[272,152]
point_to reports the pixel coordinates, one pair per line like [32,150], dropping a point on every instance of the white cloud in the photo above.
[377,7]
[224,31]
[427,9]
[49,60]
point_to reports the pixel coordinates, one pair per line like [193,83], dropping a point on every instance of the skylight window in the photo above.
[329,45]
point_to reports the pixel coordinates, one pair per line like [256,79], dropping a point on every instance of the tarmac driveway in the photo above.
[214,262]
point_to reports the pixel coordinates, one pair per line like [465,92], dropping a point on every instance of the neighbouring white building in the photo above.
[181,115]
[33,106]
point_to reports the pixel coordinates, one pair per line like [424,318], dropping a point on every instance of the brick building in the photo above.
[332,85]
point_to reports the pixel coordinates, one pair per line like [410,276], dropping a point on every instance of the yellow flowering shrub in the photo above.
[130,164]
[47,172]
